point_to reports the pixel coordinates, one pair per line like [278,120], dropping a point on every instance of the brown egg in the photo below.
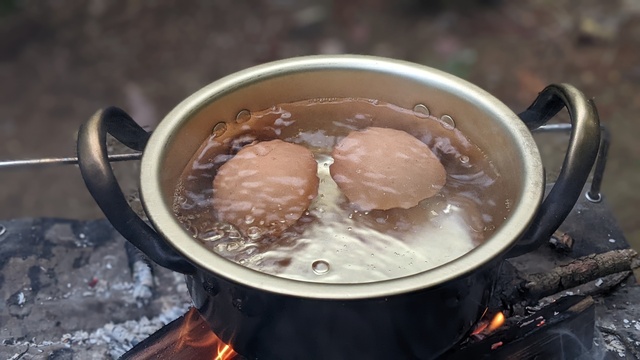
[265,187]
[380,168]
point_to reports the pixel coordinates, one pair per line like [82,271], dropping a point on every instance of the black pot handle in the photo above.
[581,154]
[103,186]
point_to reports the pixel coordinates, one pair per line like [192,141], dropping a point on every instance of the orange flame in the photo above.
[486,327]
[196,333]
[225,353]
[497,321]
[480,328]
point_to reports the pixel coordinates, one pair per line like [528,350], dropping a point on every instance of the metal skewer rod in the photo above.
[553,128]
[6,164]
[594,195]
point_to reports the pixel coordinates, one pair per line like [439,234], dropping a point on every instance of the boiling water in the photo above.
[333,241]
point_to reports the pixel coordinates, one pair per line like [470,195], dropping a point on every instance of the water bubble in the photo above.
[226,227]
[421,110]
[349,228]
[211,235]
[248,219]
[447,122]
[243,116]
[285,115]
[187,225]
[464,159]
[234,234]
[254,232]
[219,129]
[320,267]
[233,246]
[350,216]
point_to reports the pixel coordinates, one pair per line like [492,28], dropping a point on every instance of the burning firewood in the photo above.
[529,337]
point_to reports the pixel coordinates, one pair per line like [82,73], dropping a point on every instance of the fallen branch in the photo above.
[578,272]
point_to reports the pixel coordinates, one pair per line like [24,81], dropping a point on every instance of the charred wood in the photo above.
[566,324]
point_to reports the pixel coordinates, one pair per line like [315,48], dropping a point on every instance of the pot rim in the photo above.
[162,218]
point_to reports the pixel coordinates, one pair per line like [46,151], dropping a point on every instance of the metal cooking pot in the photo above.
[414,317]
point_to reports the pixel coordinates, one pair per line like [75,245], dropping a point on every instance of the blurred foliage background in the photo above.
[61,60]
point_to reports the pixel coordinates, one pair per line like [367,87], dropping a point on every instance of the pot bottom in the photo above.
[418,325]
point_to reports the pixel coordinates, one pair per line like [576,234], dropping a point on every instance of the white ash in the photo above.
[143,280]
[116,338]
[120,338]
[613,344]
[21,299]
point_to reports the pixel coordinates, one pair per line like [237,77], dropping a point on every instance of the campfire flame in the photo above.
[225,353]
[482,325]
[497,321]
[195,333]
[486,327]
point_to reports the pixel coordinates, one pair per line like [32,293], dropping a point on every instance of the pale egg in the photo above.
[265,187]
[381,168]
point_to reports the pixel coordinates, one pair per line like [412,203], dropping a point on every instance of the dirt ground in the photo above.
[62,60]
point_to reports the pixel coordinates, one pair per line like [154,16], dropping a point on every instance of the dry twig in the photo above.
[578,272]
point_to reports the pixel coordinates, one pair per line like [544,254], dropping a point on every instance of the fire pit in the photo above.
[66,295]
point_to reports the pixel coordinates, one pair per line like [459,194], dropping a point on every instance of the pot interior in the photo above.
[482,118]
